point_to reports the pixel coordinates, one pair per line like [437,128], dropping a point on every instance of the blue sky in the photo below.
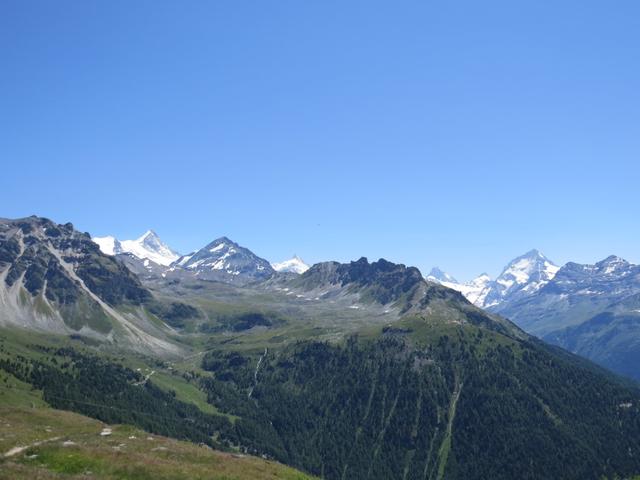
[458,134]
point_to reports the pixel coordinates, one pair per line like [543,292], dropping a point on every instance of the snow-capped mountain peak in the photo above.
[475,291]
[149,236]
[438,276]
[523,276]
[225,260]
[532,266]
[293,265]
[612,265]
[212,256]
[148,246]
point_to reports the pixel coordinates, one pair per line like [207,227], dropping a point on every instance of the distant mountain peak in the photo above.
[223,239]
[529,263]
[381,281]
[440,276]
[149,234]
[613,260]
[148,246]
[294,265]
[225,260]
[522,276]
[475,290]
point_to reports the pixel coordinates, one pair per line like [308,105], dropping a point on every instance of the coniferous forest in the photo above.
[467,406]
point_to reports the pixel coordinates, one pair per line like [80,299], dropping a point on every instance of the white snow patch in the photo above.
[218,247]
[108,245]
[151,247]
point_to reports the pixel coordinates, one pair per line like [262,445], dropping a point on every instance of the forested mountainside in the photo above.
[414,400]
[419,402]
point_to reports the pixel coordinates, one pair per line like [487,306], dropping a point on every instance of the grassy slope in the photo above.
[17,393]
[128,453]
[15,341]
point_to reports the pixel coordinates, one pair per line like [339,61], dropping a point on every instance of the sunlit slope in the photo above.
[44,443]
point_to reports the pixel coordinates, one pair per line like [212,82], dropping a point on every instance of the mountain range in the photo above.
[591,310]
[522,277]
[221,260]
[362,370]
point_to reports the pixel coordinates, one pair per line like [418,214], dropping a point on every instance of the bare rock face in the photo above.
[54,278]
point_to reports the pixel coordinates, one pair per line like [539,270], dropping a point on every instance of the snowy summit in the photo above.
[438,276]
[293,265]
[148,246]
[523,276]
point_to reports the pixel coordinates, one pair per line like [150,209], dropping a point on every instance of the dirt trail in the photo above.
[17,450]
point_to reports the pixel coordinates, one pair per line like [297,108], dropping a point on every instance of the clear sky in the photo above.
[457,133]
